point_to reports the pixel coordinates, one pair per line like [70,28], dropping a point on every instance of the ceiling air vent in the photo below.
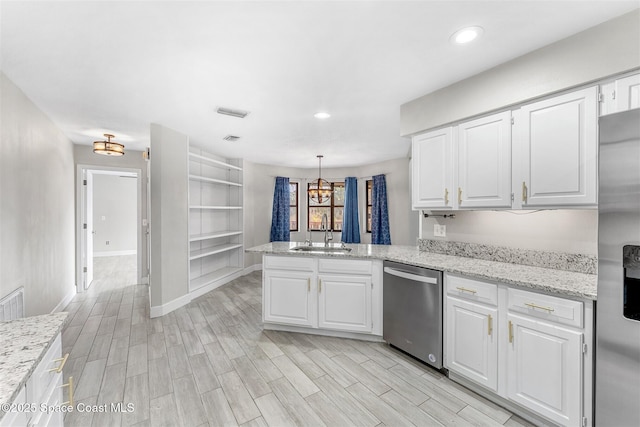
[229,112]
[232,138]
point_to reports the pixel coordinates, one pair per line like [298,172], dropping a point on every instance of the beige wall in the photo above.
[599,52]
[569,231]
[259,181]
[37,239]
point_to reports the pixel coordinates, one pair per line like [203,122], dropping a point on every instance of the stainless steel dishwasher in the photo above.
[412,311]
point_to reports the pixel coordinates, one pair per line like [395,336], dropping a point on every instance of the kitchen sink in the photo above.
[321,249]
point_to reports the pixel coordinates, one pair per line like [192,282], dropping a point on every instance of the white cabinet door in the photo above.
[627,94]
[559,150]
[484,162]
[544,369]
[344,302]
[290,298]
[472,344]
[432,170]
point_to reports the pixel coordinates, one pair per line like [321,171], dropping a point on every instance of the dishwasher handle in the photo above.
[409,276]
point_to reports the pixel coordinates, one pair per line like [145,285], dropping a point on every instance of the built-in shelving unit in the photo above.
[215,220]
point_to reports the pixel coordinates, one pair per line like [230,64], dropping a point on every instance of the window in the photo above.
[333,208]
[369,203]
[293,206]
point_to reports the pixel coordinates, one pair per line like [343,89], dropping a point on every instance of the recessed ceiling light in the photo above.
[466,35]
[322,115]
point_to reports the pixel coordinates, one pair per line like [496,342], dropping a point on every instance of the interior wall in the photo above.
[115,214]
[84,155]
[565,230]
[259,182]
[37,238]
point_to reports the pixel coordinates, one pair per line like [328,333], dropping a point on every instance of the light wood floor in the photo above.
[210,363]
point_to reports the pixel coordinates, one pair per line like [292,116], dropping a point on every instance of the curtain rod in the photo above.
[329,179]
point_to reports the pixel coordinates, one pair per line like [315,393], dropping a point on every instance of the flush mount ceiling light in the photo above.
[108,147]
[466,35]
[319,189]
[233,113]
[321,115]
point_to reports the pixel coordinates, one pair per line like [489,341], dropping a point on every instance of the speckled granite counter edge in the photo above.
[559,282]
[23,344]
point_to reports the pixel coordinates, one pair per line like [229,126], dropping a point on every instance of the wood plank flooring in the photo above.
[211,363]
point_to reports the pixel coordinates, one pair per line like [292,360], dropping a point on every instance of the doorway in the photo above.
[108,223]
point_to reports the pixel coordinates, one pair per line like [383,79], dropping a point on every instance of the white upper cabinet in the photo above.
[620,95]
[484,162]
[558,149]
[432,170]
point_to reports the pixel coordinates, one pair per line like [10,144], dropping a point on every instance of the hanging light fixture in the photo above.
[320,190]
[108,147]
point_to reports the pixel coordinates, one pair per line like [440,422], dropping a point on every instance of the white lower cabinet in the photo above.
[472,345]
[323,294]
[529,350]
[544,369]
[288,298]
[39,402]
[344,302]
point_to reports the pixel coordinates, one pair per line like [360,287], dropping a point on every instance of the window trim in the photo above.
[368,203]
[297,206]
[331,206]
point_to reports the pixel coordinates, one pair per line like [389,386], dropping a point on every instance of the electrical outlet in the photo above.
[107,243]
[439,230]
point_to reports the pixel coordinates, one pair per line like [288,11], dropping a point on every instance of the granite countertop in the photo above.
[23,343]
[553,281]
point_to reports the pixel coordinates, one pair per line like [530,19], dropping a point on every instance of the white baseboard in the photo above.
[114,253]
[65,301]
[158,311]
[251,269]
[324,332]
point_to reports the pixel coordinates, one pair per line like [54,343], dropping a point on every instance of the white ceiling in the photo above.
[116,67]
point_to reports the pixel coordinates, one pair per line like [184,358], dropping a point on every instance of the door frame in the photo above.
[81,171]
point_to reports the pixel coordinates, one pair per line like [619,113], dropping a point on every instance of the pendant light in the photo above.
[319,189]
[108,147]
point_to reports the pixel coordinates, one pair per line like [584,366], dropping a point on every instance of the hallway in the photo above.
[210,363]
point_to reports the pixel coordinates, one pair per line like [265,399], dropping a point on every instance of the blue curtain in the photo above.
[280,214]
[379,213]
[350,222]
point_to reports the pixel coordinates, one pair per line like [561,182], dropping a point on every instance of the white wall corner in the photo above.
[159,311]
[65,301]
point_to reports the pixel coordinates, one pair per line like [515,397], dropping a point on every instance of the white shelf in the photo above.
[201,253]
[219,207]
[205,279]
[218,234]
[213,180]
[215,162]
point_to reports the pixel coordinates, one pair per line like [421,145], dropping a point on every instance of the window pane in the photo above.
[315,216]
[369,219]
[293,194]
[337,218]
[293,219]
[338,194]
[369,189]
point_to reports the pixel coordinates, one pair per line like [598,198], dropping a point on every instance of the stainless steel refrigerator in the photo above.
[617,386]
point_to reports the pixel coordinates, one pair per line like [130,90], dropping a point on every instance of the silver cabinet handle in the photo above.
[417,278]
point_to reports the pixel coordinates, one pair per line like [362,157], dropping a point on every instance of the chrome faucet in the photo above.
[309,241]
[324,225]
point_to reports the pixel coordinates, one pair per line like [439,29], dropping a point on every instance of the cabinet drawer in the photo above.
[45,373]
[347,266]
[289,263]
[555,309]
[472,290]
